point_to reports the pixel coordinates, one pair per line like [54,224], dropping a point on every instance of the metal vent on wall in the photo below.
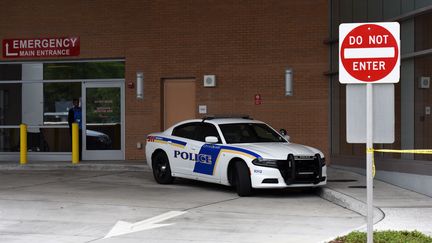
[209,81]
[424,82]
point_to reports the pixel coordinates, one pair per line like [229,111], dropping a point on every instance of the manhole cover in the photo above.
[342,180]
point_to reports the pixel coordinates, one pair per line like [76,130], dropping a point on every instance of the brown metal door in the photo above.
[179,100]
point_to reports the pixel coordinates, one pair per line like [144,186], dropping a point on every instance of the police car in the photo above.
[239,152]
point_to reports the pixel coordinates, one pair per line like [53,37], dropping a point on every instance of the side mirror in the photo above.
[211,139]
[284,134]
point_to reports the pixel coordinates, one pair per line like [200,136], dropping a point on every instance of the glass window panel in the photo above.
[374,10]
[49,140]
[205,130]
[10,104]
[345,11]
[334,19]
[9,140]
[103,119]
[359,10]
[186,130]
[58,100]
[83,70]
[422,3]
[423,35]
[10,71]
[391,8]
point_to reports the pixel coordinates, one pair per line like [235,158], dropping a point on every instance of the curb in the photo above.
[349,202]
[78,167]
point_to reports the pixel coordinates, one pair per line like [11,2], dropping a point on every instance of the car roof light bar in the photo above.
[212,117]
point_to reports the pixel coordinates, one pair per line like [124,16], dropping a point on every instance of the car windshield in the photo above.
[250,133]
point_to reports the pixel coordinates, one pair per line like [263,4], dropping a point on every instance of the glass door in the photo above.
[103,121]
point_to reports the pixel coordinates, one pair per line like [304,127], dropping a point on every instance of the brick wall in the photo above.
[247,44]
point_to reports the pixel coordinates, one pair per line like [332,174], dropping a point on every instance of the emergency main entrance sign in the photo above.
[369,53]
[41,47]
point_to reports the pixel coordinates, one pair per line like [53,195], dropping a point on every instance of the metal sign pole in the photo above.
[369,158]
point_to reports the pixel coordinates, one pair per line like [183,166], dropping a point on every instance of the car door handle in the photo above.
[194,148]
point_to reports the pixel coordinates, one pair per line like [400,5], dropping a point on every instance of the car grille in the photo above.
[302,169]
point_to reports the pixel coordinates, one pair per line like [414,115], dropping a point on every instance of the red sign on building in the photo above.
[258,99]
[41,47]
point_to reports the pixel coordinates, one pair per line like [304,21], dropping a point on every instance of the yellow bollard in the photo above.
[75,144]
[23,144]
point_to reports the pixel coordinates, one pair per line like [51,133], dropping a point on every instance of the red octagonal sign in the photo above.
[369,53]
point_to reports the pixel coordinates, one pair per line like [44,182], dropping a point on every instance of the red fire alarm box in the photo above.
[258,99]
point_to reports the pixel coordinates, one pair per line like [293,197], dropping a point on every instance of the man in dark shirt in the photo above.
[75,115]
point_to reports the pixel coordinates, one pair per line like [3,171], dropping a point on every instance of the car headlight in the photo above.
[265,162]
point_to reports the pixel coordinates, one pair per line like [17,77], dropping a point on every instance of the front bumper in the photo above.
[298,173]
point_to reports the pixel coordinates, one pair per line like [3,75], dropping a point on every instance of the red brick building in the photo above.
[247,45]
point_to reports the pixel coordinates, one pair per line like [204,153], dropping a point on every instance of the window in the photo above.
[58,100]
[10,104]
[187,130]
[10,72]
[83,70]
[205,130]
[249,133]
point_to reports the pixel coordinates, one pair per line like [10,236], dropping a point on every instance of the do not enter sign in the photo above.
[369,53]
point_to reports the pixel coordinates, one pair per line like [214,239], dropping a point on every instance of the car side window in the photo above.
[187,130]
[205,130]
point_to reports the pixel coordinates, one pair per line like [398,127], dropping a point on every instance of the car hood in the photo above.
[279,151]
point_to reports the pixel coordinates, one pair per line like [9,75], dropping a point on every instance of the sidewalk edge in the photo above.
[349,203]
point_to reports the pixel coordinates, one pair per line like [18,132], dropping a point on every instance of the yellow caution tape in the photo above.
[371,151]
[399,151]
[404,151]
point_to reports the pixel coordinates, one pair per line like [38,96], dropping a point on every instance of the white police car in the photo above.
[241,152]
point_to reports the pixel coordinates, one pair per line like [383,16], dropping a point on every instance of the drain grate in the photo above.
[362,187]
[342,180]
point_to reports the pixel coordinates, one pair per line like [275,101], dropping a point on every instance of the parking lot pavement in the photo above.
[83,206]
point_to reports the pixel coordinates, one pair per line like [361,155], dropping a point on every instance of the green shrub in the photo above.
[388,236]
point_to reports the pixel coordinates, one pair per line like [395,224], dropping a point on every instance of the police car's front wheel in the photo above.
[242,179]
[161,169]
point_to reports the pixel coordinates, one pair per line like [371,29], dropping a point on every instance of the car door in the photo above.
[205,167]
[183,156]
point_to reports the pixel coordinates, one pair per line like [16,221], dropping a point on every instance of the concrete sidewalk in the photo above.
[395,208]
[126,165]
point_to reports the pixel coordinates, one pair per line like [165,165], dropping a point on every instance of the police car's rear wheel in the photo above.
[161,169]
[242,179]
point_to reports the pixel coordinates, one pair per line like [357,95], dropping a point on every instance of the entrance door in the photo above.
[179,100]
[103,121]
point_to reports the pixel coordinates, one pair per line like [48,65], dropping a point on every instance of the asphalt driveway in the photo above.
[84,206]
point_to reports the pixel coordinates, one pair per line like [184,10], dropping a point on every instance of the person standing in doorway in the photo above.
[75,115]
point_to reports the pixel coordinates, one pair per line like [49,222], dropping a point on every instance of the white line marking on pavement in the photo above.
[122,227]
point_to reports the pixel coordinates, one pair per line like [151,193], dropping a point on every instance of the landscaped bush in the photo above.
[388,236]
